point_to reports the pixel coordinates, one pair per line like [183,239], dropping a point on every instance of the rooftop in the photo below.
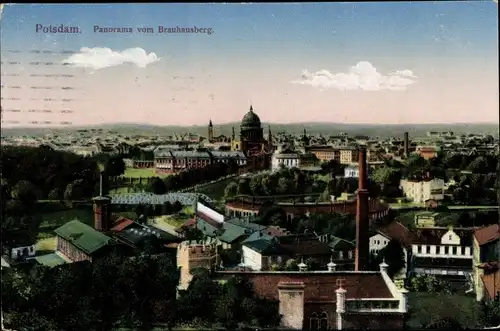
[83,236]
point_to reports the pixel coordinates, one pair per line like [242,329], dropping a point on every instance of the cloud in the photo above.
[99,58]
[362,76]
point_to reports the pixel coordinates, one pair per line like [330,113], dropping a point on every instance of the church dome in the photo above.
[251,120]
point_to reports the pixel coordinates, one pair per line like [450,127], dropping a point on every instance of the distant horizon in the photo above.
[237,123]
[355,63]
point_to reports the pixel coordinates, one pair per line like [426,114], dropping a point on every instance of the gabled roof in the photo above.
[487,234]
[121,224]
[232,232]
[267,247]
[397,231]
[83,236]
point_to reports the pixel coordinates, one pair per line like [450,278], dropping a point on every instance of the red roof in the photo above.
[487,234]
[399,232]
[318,286]
[121,224]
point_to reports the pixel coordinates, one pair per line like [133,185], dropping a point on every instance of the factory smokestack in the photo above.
[406,145]
[362,215]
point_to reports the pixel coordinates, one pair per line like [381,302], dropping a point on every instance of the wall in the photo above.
[442,251]
[252,258]
[70,251]
[23,251]
[210,212]
[291,297]
[367,321]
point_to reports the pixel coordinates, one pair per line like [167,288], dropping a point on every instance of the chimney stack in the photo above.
[101,208]
[406,145]
[362,216]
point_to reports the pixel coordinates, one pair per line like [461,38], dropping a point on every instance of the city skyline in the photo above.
[394,63]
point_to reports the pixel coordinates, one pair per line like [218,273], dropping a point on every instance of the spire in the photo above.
[210,123]
[305,132]
[233,134]
[251,107]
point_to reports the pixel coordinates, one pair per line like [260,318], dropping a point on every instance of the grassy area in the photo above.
[216,190]
[144,173]
[175,221]
[425,307]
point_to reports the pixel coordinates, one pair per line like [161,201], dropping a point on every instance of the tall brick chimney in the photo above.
[102,210]
[362,216]
[406,144]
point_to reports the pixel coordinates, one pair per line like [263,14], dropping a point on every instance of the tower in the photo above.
[210,131]
[101,208]
[233,134]
[406,143]
[269,139]
[362,216]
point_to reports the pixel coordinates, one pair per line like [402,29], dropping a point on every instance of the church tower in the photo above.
[270,147]
[210,131]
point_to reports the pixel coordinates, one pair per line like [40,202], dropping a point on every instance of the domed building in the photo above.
[251,140]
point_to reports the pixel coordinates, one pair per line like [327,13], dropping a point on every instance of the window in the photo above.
[450,237]
[447,250]
[350,254]
[454,250]
[428,249]
[314,322]
[323,321]
[419,249]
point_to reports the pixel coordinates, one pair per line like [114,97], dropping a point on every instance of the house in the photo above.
[425,219]
[307,246]
[393,231]
[284,158]
[342,252]
[421,191]
[18,248]
[264,250]
[263,253]
[443,251]
[490,281]
[486,249]
[351,171]
[348,155]
[79,242]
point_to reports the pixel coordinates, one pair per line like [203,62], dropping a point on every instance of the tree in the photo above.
[394,256]
[115,166]
[157,186]
[445,323]
[25,191]
[177,206]
[74,190]
[231,190]
[478,165]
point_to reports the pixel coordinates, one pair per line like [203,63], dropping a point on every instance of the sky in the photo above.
[373,62]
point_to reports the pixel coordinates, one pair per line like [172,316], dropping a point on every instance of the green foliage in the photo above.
[428,283]
[230,305]
[63,298]
[156,186]
[393,255]
[114,166]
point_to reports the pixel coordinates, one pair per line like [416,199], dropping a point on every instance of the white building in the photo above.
[421,191]
[261,254]
[284,158]
[440,251]
[351,172]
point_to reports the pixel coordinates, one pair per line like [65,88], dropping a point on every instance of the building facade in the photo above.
[424,190]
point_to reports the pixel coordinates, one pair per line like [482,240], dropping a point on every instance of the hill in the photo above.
[373,130]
